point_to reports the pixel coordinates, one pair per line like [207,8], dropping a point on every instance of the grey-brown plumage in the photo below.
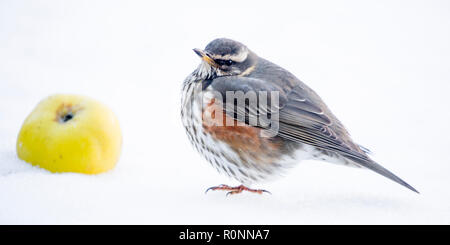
[303,119]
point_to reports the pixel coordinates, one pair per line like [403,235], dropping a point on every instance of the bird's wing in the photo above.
[301,117]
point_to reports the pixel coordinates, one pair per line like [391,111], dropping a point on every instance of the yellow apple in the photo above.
[70,133]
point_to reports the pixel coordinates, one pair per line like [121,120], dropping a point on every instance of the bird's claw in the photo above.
[235,190]
[219,187]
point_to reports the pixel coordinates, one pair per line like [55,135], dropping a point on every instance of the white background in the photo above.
[383,67]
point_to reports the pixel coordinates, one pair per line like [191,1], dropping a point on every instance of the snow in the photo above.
[381,66]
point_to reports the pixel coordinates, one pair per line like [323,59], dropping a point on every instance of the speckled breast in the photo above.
[234,149]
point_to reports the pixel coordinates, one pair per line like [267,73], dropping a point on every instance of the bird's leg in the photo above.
[235,190]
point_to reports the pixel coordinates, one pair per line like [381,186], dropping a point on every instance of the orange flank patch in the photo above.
[243,138]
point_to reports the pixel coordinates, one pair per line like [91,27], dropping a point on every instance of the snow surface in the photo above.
[381,66]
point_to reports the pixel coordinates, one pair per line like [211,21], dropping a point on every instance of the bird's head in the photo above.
[225,57]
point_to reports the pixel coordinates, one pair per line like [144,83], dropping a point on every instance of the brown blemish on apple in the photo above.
[66,112]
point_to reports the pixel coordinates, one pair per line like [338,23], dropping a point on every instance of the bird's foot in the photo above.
[235,190]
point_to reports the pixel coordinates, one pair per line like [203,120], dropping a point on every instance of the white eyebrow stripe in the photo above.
[241,56]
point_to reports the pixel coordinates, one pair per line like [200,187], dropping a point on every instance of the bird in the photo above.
[257,142]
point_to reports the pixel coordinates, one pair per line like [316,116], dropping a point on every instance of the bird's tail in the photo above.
[372,165]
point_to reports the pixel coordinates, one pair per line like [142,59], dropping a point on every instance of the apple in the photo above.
[70,133]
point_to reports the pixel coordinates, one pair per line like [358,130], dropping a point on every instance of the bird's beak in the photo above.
[205,57]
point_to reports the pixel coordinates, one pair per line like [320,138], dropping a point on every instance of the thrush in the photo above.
[255,139]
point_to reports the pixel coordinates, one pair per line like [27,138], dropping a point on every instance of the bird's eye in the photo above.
[224,62]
